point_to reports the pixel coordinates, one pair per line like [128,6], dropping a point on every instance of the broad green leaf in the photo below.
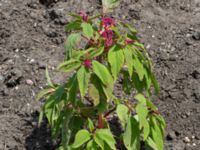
[129,59]
[95,94]
[91,145]
[142,112]
[70,44]
[131,136]
[72,86]
[48,78]
[139,68]
[156,133]
[155,84]
[69,65]
[83,76]
[116,60]
[66,132]
[151,143]
[103,136]
[87,29]
[139,85]
[123,114]
[75,25]
[102,72]
[90,125]
[81,138]
[108,5]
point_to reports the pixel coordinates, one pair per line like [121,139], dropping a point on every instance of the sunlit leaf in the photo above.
[81,138]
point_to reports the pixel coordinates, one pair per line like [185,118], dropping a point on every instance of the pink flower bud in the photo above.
[107,22]
[83,15]
[87,63]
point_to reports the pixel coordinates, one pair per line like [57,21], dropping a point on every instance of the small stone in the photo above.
[193,144]
[171,136]
[193,137]
[29,82]
[196,36]
[186,140]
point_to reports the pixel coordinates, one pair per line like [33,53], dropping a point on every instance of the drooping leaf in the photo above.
[155,84]
[48,78]
[151,143]
[91,145]
[70,44]
[116,60]
[138,66]
[90,125]
[87,29]
[81,138]
[123,114]
[95,94]
[44,92]
[83,76]
[75,25]
[104,136]
[139,85]
[102,72]
[156,133]
[131,136]
[108,5]
[129,59]
[69,65]
[142,111]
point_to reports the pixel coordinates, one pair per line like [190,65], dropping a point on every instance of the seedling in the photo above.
[80,110]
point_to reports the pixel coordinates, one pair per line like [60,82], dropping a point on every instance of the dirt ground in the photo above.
[32,36]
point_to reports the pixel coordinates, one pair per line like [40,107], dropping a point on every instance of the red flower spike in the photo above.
[83,15]
[107,22]
[87,63]
[108,36]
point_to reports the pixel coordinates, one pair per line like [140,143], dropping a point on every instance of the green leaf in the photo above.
[129,59]
[48,78]
[155,84]
[94,93]
[139,85]
[142,111]
[40,118]
[102,72]
[83,76]
[81,138]
[104,136]
[66,132]
[70,44]
[133,30]
[87,29]
[151,143]
[131,136]
[116,60]
[138,66]
[108,5]
[72,86]
[90,125]
[44,93]
[156,133]
[69,65]
[75,25]
[93,52]
[123,114]
[91,145]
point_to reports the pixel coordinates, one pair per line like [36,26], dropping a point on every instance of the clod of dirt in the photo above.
[13,78]
[171,136]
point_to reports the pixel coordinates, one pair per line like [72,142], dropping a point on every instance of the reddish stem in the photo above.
[100,122]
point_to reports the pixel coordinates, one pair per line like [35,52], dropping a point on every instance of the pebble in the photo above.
[29,82]
[186,140]
[194,144]
[171,136]
[196,36]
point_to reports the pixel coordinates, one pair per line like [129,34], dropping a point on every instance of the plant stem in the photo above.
[100,121]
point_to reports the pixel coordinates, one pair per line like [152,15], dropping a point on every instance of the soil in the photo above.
[31,39]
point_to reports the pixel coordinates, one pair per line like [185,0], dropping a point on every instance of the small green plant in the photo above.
[80,111]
